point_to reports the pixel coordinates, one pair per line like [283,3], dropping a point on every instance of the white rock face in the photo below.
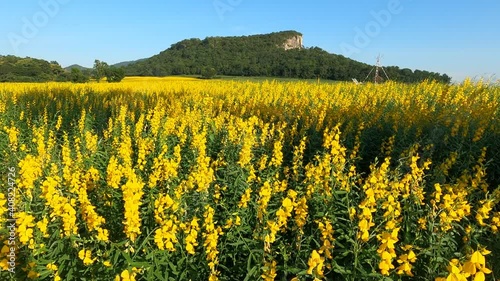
[293,43]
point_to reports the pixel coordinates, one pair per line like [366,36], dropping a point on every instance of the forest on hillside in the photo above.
[16,69]
[263,55]
[256,55]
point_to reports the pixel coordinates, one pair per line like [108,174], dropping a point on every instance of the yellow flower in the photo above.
[364,227]
[13,134]
[42,226]
[388,240]
[406,261]
[51,266]
[326,229]
[352,213]
[165,237]
[126,276]
[132,194]
[315,262]
[269,271]
[86,256]
[456,272]
[476,266]
[211,236]
[102,235]
[229,223]
[265,194]
[422,223]
[483,212]
[30,169]
[33,274]
[277,158]
[213,277]
[385,266]
[25,224]
[191,238]
[245,198]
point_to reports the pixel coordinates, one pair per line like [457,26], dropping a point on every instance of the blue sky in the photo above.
[460,38]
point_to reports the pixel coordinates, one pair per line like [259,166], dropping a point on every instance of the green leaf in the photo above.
[44,273]
[183,275]
[237,243]
[158,275]
[127,257]
[251,273]
[69,276]
[296,271]
[173,268]
[140,264]
[151,255]
[249,262]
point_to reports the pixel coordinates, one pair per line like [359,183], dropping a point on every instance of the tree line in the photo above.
[256,55]
[16,69]
[263,55]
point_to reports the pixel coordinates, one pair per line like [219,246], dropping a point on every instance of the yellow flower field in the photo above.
[187,179]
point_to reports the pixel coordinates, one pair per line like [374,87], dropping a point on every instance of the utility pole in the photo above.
[377,67]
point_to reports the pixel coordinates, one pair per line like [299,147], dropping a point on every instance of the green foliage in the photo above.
[208,73]
[263,55]
[16,69]
[77,76]
[115,74]
[99,70]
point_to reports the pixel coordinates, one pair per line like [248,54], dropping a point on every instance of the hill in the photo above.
[279,54]
[16,69]
[125,63]
[77,66]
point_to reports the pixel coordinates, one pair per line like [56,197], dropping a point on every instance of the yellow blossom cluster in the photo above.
[86,256]
[326,228]
[132,194]
[61,206]
[211,235]
[313,180]
[25,224]
[192,230]
[475,267]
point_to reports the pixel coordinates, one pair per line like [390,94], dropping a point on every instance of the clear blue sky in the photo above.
[460,37]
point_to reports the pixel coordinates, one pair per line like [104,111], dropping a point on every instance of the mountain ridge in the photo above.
[277,54]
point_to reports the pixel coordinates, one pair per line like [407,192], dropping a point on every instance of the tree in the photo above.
[114,74]
[77,76]
[100,68]
[56,68]
[208,72]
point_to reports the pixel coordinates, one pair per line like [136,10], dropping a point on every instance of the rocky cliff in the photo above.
[294,42]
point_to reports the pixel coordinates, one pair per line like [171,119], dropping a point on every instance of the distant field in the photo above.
[180,178]
[231,78]
[260,79]
[158,79]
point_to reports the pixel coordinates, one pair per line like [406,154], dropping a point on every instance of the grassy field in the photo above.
[180,178]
